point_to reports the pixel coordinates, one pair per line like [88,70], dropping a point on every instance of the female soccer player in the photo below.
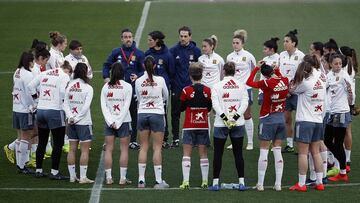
[76,56]
[244,62]
[229,100]
[151,92]
[59,43]
[196,102]
[289,61]
[23,110]
[115,103]
[212,62]
[272,122]
[309,84]
[164,67]
[50,115]
[78,97]
[341,96]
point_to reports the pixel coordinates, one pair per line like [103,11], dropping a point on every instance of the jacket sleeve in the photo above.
[140,64]
[348,89]
[165,91]
[28,102]
[33,85]
[90,71]
[125,109]
[183,100]
[209,105]
[62,87]
[216,103]
[66,105]
[256,84]
[244,102]
[86,106]
[107,114]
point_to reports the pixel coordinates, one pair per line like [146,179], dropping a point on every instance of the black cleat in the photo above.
[58,177]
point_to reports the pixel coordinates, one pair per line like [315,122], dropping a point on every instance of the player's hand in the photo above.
[133,77]
[71,121]
[113,126]
[260,63]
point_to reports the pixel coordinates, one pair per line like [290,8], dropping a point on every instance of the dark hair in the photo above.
[117,73]
[312,59]
[266,70]
[229,68]
[149,63]
[41,51]
[125,30]
[185,28]
[158,35]
[272,44]
[331,45]
[80,71]
[351,58]
[74,44]
[304,71]
[196,70]
[25,59]
[36,44]
[56,38]
[292,35]
[334,56]
[212,41]
[319,46]
[67,66]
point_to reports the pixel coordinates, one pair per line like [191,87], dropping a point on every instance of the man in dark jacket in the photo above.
[184,53]
[132,60]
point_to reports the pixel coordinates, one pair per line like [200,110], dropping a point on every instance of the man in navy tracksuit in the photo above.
[132,60]
[164,67]
[184,53]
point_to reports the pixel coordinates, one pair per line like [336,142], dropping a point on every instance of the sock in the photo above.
[302,179]
[312,167]
[290,142]
[72,171]
[12,145]
[158,172]
[186,165]
[242,181]
[324,159]
[215,181]
[142,168]
[33,148]
[343,172]
[17,152]
[23,153]
[249,127]
[262,165]
[108,173]
[83,171]
[123,171]
[54,172]
[319,177]
[331,158]
[204,165]
[66,139]
[279,165]
[347,154]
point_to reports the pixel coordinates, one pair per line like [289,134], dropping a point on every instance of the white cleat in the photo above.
[74,179]
[161,185]
[250,146]
[109,181]
[229,147]
[85,181]
[277,187]
[259,187]
[125,182]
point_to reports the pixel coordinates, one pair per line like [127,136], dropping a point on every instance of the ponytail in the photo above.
[149,63]
[25,60]
[303,72]
[117,73]
[81,72]
[313,60]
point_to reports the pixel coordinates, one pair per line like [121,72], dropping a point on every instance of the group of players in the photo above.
[52,93]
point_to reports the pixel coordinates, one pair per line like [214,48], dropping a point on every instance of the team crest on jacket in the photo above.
[160,62]
[296,58]
[214,61]
[133,58]
[191,57]
[230,85]
[243,58]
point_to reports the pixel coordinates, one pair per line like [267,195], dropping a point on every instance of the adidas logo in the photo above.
[148,83]
[231,84]
[318,85]
[280,87]
[226,95]
[75,87]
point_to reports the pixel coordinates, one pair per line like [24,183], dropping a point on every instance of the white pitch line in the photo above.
[142,22]
[151,189]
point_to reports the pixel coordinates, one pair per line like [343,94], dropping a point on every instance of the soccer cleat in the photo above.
[340,177]
[141,184]
[161,185]
[250,146]
[325,180]
[310,182]
[229,147]
[124,182]
[319,187]
[333,172]
[175,144]
[299,188]
[66,148]
[185,185]
[134,146]
[165,145]
[109,181]
[58,176]
[85,181]
[259,187]
[348,169]
[214,188]
[40,174]
[25,170]
[277,188]
[74,179]
[288,149]
[31,163]
[204,185]
[242,187]
[10,154]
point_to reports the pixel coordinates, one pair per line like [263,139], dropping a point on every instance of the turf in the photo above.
[97,26]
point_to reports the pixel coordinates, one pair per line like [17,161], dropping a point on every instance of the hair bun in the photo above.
[275,39]
[241,32]
[54,34]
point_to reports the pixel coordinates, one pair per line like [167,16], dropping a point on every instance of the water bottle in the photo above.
[230,186]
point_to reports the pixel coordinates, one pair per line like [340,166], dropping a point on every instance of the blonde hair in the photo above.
[241,33]
[56,38]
